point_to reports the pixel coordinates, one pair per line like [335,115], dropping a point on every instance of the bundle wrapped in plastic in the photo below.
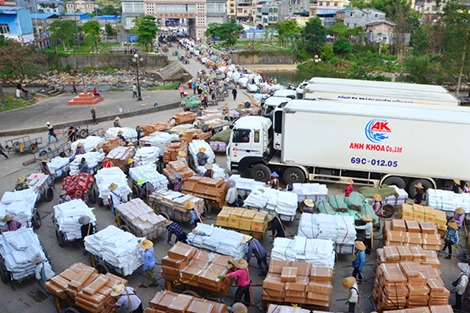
[67,215]
[245,185]
[117,247]
[89,143]
[19,204]
[130,134]
[218,171]
[338,228]
[58,166]
[109,175]
[448,200]
[149,173]
[272,201]
[92,160]
[315,192]
[147,155]
[194,147]
[218,146]
[158,139]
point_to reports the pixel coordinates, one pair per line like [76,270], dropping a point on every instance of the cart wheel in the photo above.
[102,268]
[16,146]
[71,310]
[36,220]
[62,155]
[4,274]
[49,195]
[83,133]
[42,153]
[165,215]
[388,210]
[92,195]
[207,207]
[191,293]
[33,148]
[135,191]
[100,202]
[125,228]
[160,166]
[60,238]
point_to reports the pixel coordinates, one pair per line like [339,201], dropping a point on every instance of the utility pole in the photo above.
[78,41]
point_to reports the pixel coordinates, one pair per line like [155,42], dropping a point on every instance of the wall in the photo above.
[24,18]
[262,59]
[100,61]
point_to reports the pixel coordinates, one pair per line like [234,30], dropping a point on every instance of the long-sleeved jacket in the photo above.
[360,260]
[149,259]
[259,251]
[231,195]
[367,228]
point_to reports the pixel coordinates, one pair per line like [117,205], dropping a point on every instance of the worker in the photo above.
[119,135]
[175,229]
[419,193]
[83,166]
[130,164]
[368,228]
[274,180]
[200,112]
[10,224]
[378,204]
[243,281]
[232,193]
[103,134]
[107,163]
[114,196]
[227,117]
[209,171]
[116,122]
[185,107]
[459,217]
[99,147]
[307,206]
[197,123]
[451,238]
[87,228]
[456,187]
[149,263]
[181,157]
[202,157]
[51,133]
[239,308]
[72,134]
[278,229]
[349,188]
[21,184]
[146,189]
[255,247]
[358,264]
[139,131]
[80,149]
[126,296]
[177,182]
[461,284]
[350,283]
[45,167]
[196,215]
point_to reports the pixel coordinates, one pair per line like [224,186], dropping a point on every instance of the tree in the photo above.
[19,60]
[146,29]
[110,31]
[342,46]
[287,29]
[63,31]
[314,34]
[227,32]
[109,10]
[92,33]
[91,15]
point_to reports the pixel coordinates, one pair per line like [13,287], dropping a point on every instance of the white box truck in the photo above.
[331,141]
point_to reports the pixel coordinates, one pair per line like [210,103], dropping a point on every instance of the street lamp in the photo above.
[137,61]
[316,61]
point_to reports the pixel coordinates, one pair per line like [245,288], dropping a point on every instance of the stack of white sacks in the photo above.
[89,143]
[36,180]
[20,251]
[158,139]
[194,147]
[245,185]
[107,176]
[19,204]
[92,160]
[58,166]
[448,200]
[315,192]
[147,156]
[218,240]
[218,171]
[318,252]
[67,215]
[149,173]
[272,201]
[130,134]
[117,247]
[338,228]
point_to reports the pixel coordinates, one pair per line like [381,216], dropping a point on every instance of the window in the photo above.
[257,136]
[336,4]
[278,122]
[4,29]
[327,3]
[376,15]
[351,14]
[241,135]
[355,24]
[320,3]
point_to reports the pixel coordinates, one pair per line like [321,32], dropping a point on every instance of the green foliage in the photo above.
[228,32]
[110,30]
[67,68]
[146,28]
[314,34]
[424,70]
[91,15]
[109,10]
[13,103]
[92,32]
[326,52]
[392,8]
[19,60]
[342,46]
[339,29]
[287,29]
[63,31]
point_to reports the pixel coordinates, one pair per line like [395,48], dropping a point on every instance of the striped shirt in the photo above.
[174,229]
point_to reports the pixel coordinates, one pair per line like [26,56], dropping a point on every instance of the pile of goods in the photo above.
[112,143]
[287,309]
[318,252]
[184,117]
[188,135]
[167,301]
[408,284]
[396,200]
[178,167]
[20,249]
[355,205]
[147,156]
[421,213]
[274,202]
[92,160]
[67,215]
[412,234]
[448,200]
[83,285]
[57,165]
[315,192]
[150,174]
[429,309]
[243,219]
[130,134]
[194,148]
[78,185]
[395,254]
[89,143]
[158,139]
[36,180]
[112,175]
[204,187]
[19,204]
[155,127]
[218,240]
[197,268]
[219,172]
[175,202]
[246,185]
[144,221]
[172,149]
[219,141]
[297,282]
[120,156]
[116,247]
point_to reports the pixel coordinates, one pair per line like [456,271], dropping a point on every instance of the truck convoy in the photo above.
[332,141]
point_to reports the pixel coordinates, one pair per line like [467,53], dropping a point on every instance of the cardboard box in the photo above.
[289,274]
[275,266]
[259,229]
[234,222]
[320,287]
[245,224]
[398,225]
[273,283]
[321,274]
[182,251]
[412,226]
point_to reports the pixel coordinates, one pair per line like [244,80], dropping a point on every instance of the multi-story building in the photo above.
[246,10]
[15,23]
[330,3]
[430,10]
[81,6]
[50,6]
[262,13]
[231,9]
[352,17]
[216,11]
[273,12]
[29,5]
[289,8]
[131,9]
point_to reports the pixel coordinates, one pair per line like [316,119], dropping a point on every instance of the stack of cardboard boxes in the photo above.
[171,150]
[430,309]
[111,143]
[298,282]
[395,254]
[178,167]
[167,301]
[191,266]
[207,188]
[248,221]
[143,219]
[287,309]
[155,127]
[184,118]
[421,213]
[120,156]
[412,234]
[83,285]
[189,135]
[175,202]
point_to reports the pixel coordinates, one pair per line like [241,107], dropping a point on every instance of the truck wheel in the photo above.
[36,220]
[412,189]
[293,175]
[100,202]
[395,181]
[260,172]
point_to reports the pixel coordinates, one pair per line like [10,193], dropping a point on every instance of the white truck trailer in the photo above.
[331,141]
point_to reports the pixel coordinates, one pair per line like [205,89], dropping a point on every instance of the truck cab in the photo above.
[300,90]
[285,93]
[271,103]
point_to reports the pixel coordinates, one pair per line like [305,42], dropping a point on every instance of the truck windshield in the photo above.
[241,135]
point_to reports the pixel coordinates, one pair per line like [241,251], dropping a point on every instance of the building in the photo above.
[29,5]
[246,10]
[76,16]
[216,11]
[82,6]
[7,3]
[131,9]
[332,3]
[50,6]
[262,13]
[15,23]
[273,13]
[353,17]
[380,27]
[289,8]
[430,10]
[231,9]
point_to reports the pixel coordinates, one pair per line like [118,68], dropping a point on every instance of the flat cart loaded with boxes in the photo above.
[172,204]
[245,221]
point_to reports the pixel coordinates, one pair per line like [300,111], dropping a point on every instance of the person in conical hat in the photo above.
[368,229]
[149,263]
[240,270]
[419,194]
[127,297]
[451,238]
[20,184]
[307,206]
[351,284]
[358,264]
[459,217]
[114,196]
[377,206]
[349,188]
[10,224]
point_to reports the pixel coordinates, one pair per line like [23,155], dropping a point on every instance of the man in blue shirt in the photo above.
[255,247]
[451,238]
[149,263]
[358,264]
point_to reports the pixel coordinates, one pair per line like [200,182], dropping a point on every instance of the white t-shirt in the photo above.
[124,299]
[115,196]
[134,88]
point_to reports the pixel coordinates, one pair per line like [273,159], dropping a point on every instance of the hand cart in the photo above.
[45,189]
[69,306]
[197,291]
[61,237]
[126,225]
[170,213]
[103,266]
[62,151]
[24,143]
[81,186]
[82,131]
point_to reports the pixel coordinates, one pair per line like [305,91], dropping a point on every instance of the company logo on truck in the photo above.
[377,130]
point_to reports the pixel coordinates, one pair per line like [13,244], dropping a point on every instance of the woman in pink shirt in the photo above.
[243,281]
[348,189]
[181,90]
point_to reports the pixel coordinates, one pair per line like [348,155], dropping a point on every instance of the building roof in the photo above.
[77,14]
[4,9]
[371,10]
[43,16]
[344,10]
[50,1]
[331,14]
[381,22]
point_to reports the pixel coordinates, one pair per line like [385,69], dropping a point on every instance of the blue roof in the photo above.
[43,16]
[344,10]
[327,14]
[77,14]
[5,9]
